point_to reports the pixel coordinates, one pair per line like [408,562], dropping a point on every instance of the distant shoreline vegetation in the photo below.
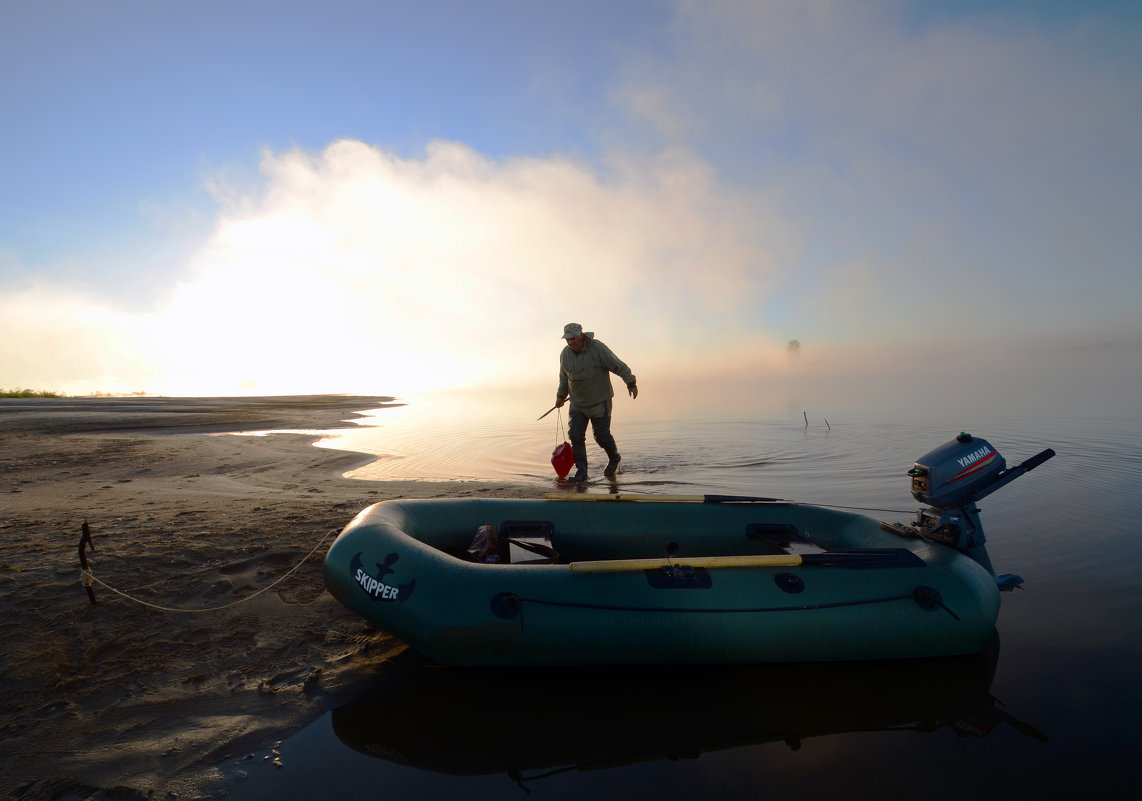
[43,393]
[28,393]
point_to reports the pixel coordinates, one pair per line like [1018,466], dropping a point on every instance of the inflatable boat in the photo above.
[635,579]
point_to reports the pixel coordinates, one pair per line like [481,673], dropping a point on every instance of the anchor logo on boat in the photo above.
[375,586]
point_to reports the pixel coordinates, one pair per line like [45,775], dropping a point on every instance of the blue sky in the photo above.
[215,198]
[122,104]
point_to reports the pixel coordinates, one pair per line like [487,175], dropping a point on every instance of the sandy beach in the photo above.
[124,700]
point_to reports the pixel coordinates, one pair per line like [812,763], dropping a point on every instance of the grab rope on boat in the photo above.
[509,605]
[88,578]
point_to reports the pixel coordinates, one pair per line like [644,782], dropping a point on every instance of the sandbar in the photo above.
[121,698]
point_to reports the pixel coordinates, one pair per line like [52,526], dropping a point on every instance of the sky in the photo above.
[762,207]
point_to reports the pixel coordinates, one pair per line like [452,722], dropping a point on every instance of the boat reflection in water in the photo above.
[543,722]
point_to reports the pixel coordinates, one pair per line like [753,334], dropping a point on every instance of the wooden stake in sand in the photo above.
[84,541]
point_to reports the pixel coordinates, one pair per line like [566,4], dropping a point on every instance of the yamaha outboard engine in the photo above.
[951,479]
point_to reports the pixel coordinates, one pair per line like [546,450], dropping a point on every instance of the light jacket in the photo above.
[586,376]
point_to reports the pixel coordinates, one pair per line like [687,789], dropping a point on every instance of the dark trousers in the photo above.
[577,430]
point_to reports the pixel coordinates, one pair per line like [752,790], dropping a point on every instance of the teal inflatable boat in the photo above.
[620,579]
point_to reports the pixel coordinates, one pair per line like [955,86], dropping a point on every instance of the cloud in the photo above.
[351,269]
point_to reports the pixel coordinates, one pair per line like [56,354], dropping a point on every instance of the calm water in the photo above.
[1051,711]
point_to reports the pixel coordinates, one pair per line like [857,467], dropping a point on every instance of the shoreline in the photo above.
[119,695]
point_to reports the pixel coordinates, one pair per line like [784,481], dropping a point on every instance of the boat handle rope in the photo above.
[88,578]
[507,605]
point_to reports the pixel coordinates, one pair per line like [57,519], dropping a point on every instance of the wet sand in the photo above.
[124,700]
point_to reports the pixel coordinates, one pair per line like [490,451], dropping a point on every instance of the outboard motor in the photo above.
[951,479]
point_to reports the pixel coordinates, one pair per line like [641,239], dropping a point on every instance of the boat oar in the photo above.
[857,557]
[626,496]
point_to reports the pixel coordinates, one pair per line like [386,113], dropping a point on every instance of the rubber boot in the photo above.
[580,451]
[612,463]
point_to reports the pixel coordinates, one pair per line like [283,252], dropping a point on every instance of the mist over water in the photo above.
[446,438]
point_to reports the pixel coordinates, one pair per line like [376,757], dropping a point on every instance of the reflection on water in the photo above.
[536,725]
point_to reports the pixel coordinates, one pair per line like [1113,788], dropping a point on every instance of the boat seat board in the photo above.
[531,551]
[529,542]
[783,536]
[519,529]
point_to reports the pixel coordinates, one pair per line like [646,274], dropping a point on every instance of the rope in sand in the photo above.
[88,578]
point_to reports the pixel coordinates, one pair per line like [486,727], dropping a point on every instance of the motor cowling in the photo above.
[956,473]
[950,479]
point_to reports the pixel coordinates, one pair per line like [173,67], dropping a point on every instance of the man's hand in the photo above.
[559,402]
[633,390]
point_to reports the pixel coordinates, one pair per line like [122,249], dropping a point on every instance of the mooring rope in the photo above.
[88,578]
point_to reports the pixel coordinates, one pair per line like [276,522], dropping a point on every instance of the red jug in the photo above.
[562,459]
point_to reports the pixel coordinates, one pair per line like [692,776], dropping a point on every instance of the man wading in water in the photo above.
[585,366]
